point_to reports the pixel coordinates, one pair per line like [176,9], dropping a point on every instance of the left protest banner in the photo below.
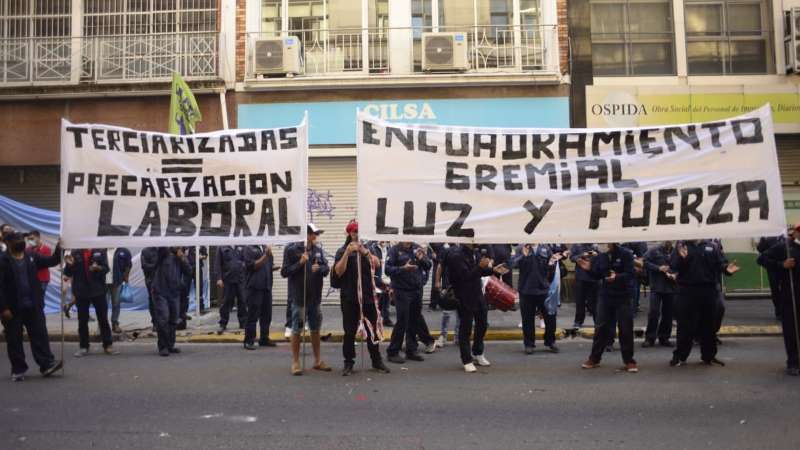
[124,187]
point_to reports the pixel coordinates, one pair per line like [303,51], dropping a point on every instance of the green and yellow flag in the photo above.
[183,110]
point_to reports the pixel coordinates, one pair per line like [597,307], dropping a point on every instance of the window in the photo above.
[271,16]
[728,37]
[143,17]
[421,17]
[35,18]
[632,37]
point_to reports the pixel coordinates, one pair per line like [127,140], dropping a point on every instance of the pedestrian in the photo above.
[586,287]
[260,265]
[22,305]
[406,265]
[698,264]
[423,333]
[502,254]
[773,273]
[663,288]
[168,283]
[353,274]
[121,271]
[305,266]
[783,262]
[466,264]
[88,269]
[441,282]
[537,267]
[230,272]
[35,244]
[638,249]
[614,268]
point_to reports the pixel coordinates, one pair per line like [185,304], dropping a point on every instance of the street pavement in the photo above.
[223,397]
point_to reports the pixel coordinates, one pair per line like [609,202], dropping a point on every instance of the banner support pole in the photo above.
[793,301]
[61,307]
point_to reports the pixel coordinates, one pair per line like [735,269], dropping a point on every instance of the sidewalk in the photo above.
[742,318]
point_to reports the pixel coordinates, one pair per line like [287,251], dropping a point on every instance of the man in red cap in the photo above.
[353,274]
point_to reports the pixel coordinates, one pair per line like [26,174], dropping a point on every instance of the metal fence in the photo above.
[128,58]
[506,49]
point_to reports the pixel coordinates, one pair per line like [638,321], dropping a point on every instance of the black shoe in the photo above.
[187,318]
[348,370]
[675,362]
[163,352]
[648,343]
[610,348]
[388,323]
[380,367]
[666,343]
[66,311]
[175,350]
[397,359]
[719,342]
[57,365]
[222,329]
[552,349]
[250,346]
[267,343]
[181,326]
[713,361]
[414,357]
[792,371]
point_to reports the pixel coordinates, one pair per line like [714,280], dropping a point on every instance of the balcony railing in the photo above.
[498,49]
[96,59]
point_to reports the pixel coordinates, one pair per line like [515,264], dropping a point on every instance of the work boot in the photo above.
[380,367]
[397,359]
[116,329]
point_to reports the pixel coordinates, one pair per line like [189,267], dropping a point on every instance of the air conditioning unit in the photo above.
[276,56]
[445,52]
[791,39]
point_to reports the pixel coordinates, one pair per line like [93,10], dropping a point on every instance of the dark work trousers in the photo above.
[659,318]
[101,311]
[151,303]
[694,309]
[423,332]
[466,318]
[386,303]
[184,312]
[233,292]
[636,292]
[34,322]
[288,314]
[434,294]
[350,318]
[529,305]
[719,310]
[409,309]
[259,311]
[585,299]
[610,310]
[168,316]
[790,318]
[774,288]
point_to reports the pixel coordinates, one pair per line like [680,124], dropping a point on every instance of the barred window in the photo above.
[35,18]
[121,17]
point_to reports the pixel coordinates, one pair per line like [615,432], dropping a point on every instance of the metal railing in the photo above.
[128,58]
[501,49]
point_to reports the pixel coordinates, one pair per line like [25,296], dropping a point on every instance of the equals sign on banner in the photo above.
[182,165]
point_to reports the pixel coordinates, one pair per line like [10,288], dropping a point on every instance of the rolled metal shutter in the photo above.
[789,158]
[36,186]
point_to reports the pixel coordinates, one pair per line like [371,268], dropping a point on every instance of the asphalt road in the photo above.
[219,396]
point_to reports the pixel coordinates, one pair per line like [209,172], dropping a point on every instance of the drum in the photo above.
[499,294]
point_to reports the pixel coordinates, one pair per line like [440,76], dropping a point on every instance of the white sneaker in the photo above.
[541,324]
[81,353]
[287,333]
[470,368]
[520,325]
[482,361]
[17,377]
[430,348]
[442,341]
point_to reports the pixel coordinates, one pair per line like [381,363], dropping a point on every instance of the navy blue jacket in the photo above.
[535,270]
[402,279]
[149,261]
[293,270]
[8,283]
[702,267]
[261,278]
[653,260]
[621,263]
[85,283]
[123,261]
[638,248]
[465,277]
[171,274]
[772,259]
[575,253]
[229,265]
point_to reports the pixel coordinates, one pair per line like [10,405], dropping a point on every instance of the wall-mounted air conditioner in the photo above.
[444,52]
[276,56]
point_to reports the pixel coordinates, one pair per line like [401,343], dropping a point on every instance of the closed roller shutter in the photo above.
[331,205]
[35,186]
[789,158]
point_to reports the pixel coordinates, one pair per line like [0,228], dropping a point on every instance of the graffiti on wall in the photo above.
[320,204]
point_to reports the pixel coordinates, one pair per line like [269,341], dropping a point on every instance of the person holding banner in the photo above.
[230,278]
[698,264]
[259,262]
[168,284]
[406,264]
[614,268]
[782,259]
[88,269]
[353,274]
[22,305]
[305,266]
[537,266]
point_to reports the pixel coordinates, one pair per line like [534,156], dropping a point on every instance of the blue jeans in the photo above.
[446,322]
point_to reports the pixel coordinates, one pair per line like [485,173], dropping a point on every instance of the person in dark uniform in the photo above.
[585,285]
[88,269]
[784,263]
[615,268]
[123,262]
[537,266]
[186,286]
[465,266]
[168,285]
[423,333]
[773,273]
[698,264]
[305,266]
[406,265]
[22,305]
[353,271]
[259,263]
[149,262]
[501,255]
[191,255]
[662,295]
[230,271]
[638,249]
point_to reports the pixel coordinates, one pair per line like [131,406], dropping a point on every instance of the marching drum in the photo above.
[499,294]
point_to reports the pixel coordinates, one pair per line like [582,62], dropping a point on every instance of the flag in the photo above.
[553,300]
[183,110]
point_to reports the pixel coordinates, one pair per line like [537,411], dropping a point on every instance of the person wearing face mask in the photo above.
[614,268]
[698,264]
[662,295]
[537,266]
[782,259]
[35,244]
[6,230]
[22,305]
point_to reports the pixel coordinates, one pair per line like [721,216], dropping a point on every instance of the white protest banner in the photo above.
[491,185]
[123,187]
